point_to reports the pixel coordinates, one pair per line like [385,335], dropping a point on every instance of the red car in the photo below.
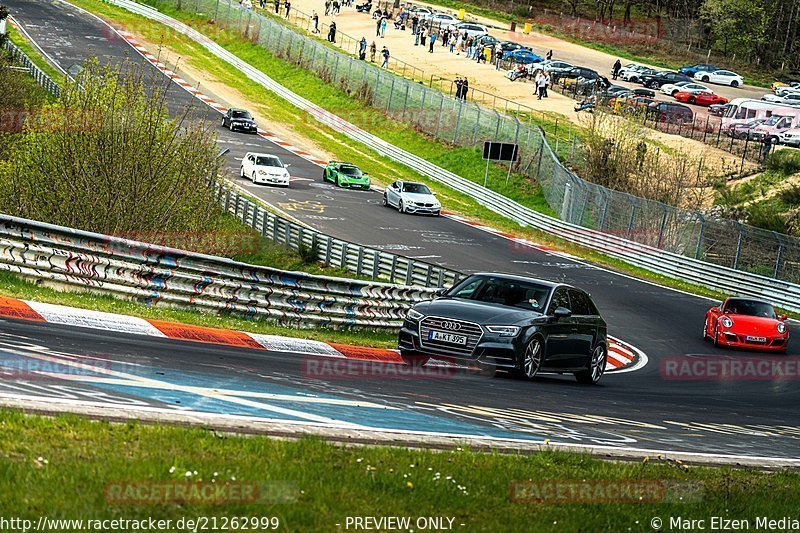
[700,98]
[746,323]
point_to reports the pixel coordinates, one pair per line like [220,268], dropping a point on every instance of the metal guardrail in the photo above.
[158,274]
[648,222]
[361,260]
[574,197]
[18,56]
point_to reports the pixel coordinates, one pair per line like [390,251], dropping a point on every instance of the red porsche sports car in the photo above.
[746,323]
[700,98]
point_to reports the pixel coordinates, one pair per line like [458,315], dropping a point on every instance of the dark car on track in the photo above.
[656,80]
[522,324]
[239,119]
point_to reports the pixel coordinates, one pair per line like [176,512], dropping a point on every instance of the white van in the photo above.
[741,110]
[774,127]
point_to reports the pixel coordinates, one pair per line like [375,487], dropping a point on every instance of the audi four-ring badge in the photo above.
[521,324]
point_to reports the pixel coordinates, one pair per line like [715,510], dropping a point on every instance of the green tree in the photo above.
[107,157]
[738,26]
[3,16]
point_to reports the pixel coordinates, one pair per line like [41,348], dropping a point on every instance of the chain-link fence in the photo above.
[466,123]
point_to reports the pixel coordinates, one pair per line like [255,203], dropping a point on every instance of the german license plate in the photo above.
[756,339]
[447,337]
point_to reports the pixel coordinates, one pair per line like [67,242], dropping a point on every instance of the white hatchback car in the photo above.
[264,168]
[472,29]
[412,197]
[684,86]
[722,77]
[442,20]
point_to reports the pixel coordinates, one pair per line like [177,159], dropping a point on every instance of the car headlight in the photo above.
[262,172]
[781,328]
[414,315]
[726,322]
[504,331]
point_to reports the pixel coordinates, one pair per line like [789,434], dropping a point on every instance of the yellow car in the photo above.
[779,84]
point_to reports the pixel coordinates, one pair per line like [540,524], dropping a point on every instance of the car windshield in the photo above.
[241,114]
[773,120]
[417,188]
[268,161]
[509,292]
[750,308]
[350,171]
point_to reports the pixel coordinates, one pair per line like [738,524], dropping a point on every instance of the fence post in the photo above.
[633,216]
[605,211]
[393,269]
[376,264]
[738,246]
[328,250]
[405,101]
[359,260]
[439,116]
[567,201]
[409,272]
[422,107]
[779,258]
[343,258]
[216,11]
[458,120]
[391,93]
[663,225]
[477,123]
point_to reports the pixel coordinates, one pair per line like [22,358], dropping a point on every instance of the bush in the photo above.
[764,216]
[309,254]
[784,161]
[791,196]
[107,157]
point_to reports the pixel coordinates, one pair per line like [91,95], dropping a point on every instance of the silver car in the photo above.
[411,197]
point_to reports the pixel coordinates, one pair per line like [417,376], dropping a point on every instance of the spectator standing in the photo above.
[262,4]
[458,88]
[378,27]
[498,56]
[445,36]
[315,20]
[385,54]
[545,83]
[451,41]
[464,88]
[549,55]
[336,8]
[415,26]
[615,69]
[332,33]
[362,49]
[383,28]
[372,50]
[422,33]
[432,40]
[277,6]
[327,7]
[288,6]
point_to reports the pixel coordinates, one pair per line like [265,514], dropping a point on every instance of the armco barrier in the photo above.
[361,260]
[18,56]
[158,274]
[716,277]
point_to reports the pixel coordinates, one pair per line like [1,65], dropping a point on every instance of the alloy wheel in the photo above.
[532,359]
[598,363]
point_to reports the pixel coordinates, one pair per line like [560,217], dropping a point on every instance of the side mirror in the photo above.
[562,312]
[784,317]
[440,292]
[287,166]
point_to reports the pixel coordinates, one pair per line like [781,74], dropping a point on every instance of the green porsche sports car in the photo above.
[345,175]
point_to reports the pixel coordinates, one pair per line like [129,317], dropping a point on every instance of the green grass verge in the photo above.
[22,43]
[61,467]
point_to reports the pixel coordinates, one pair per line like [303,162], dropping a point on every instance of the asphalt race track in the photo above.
[647,408]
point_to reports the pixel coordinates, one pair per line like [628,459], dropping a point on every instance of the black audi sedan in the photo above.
[522,324]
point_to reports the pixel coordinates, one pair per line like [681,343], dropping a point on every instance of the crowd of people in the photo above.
[424,33]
